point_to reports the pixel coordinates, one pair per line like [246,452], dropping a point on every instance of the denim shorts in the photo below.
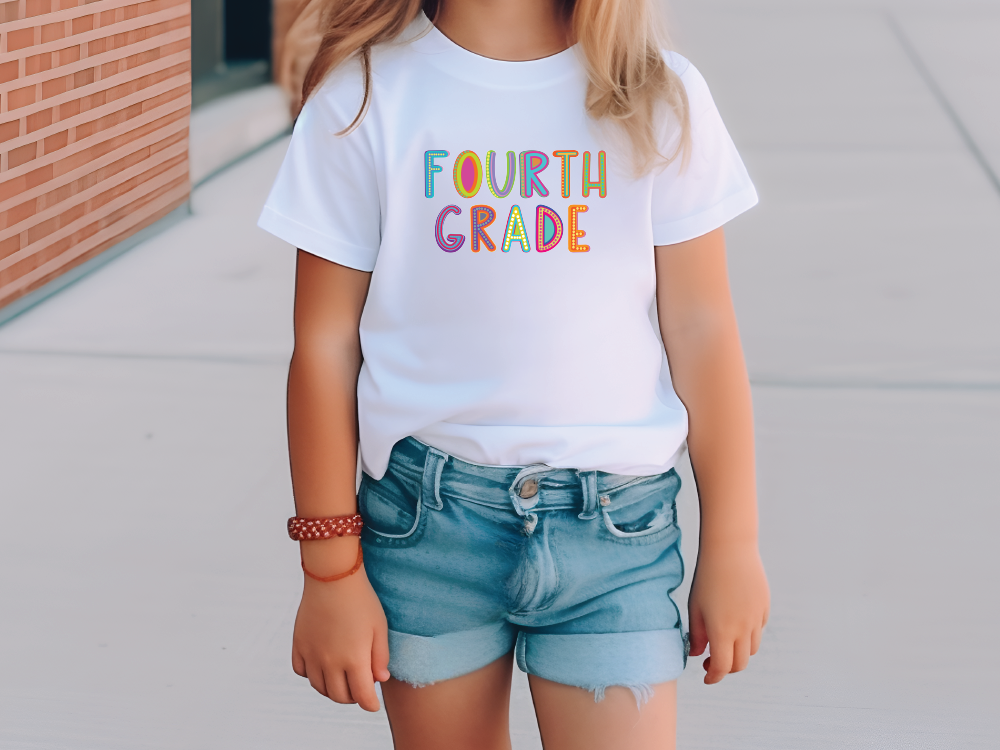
[571,569]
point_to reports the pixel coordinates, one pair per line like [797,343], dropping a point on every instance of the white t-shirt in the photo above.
[508,321]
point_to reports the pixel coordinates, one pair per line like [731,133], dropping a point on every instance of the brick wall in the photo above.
[94,108]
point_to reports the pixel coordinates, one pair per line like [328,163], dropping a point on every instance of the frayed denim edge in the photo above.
[417,684]
[641,692]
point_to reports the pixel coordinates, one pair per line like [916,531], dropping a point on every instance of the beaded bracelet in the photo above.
[309,529]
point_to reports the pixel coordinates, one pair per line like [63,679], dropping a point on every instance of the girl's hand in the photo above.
[341,641]
[728,608]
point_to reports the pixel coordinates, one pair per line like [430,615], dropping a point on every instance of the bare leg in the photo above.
[569,719]
[470,712]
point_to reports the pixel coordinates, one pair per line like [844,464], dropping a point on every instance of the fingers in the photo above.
[362,687]
[730,655]
[298,663]
[721,662]
[380,654]
[337,688]
[741,655]
[354,686]
[698,634]
[316,678]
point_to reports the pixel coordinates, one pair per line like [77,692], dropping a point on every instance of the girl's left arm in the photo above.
[729,601]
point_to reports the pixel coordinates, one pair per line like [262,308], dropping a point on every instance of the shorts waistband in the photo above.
[529,489]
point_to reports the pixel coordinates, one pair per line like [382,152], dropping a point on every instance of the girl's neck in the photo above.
[504,29]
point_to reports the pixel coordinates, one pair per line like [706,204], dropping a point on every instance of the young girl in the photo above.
[489,196]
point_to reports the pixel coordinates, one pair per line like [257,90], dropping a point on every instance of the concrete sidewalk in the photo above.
[142,409]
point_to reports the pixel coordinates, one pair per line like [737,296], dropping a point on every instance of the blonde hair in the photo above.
[622,43]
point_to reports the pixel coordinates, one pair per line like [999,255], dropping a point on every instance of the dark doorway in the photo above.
[230,46]
[248,30]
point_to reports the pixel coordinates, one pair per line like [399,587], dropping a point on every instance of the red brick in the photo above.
[10,188]
[9,11]
[69,109]
[109,195]
[67,55]
[10,130]
[152,79]
[10,246]
[72,213]
[8,71]
[53,31]
[174,47]
[124,39]
[38,7]
[22,155]
[154,6]
[42,229]
[95,100]
[39,120]
[21,97]
[93,178]
[38,177]
[167,142]
[20,39]
[56,86]
[37,63]
[82,24]
[108,121]
[83,78]
[98,150]
[142,58]
[169,96]
[54,197]
[19,213]
[56,142]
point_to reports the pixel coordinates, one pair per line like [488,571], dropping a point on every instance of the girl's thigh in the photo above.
[468,712]
[569,719]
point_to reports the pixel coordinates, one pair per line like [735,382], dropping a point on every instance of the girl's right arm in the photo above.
[340,641]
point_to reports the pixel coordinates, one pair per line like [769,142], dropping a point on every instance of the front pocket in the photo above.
[642,513]
[392,513]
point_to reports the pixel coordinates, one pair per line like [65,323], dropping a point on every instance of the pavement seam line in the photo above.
[938,93]
[874,385]
[166,357]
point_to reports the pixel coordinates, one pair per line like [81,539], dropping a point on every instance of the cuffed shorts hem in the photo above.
[597,661]
[592,661]
[423,660]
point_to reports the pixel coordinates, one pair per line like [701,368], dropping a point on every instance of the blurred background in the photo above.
[145,330]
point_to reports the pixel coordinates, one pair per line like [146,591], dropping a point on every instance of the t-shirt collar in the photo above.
[461,63]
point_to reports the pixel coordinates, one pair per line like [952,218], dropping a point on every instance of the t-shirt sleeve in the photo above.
[714,186]
[325,199]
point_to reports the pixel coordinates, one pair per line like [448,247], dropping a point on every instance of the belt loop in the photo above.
[588,483]
[430,489]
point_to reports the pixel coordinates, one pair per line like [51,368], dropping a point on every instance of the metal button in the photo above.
[529,488]
[605,500]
